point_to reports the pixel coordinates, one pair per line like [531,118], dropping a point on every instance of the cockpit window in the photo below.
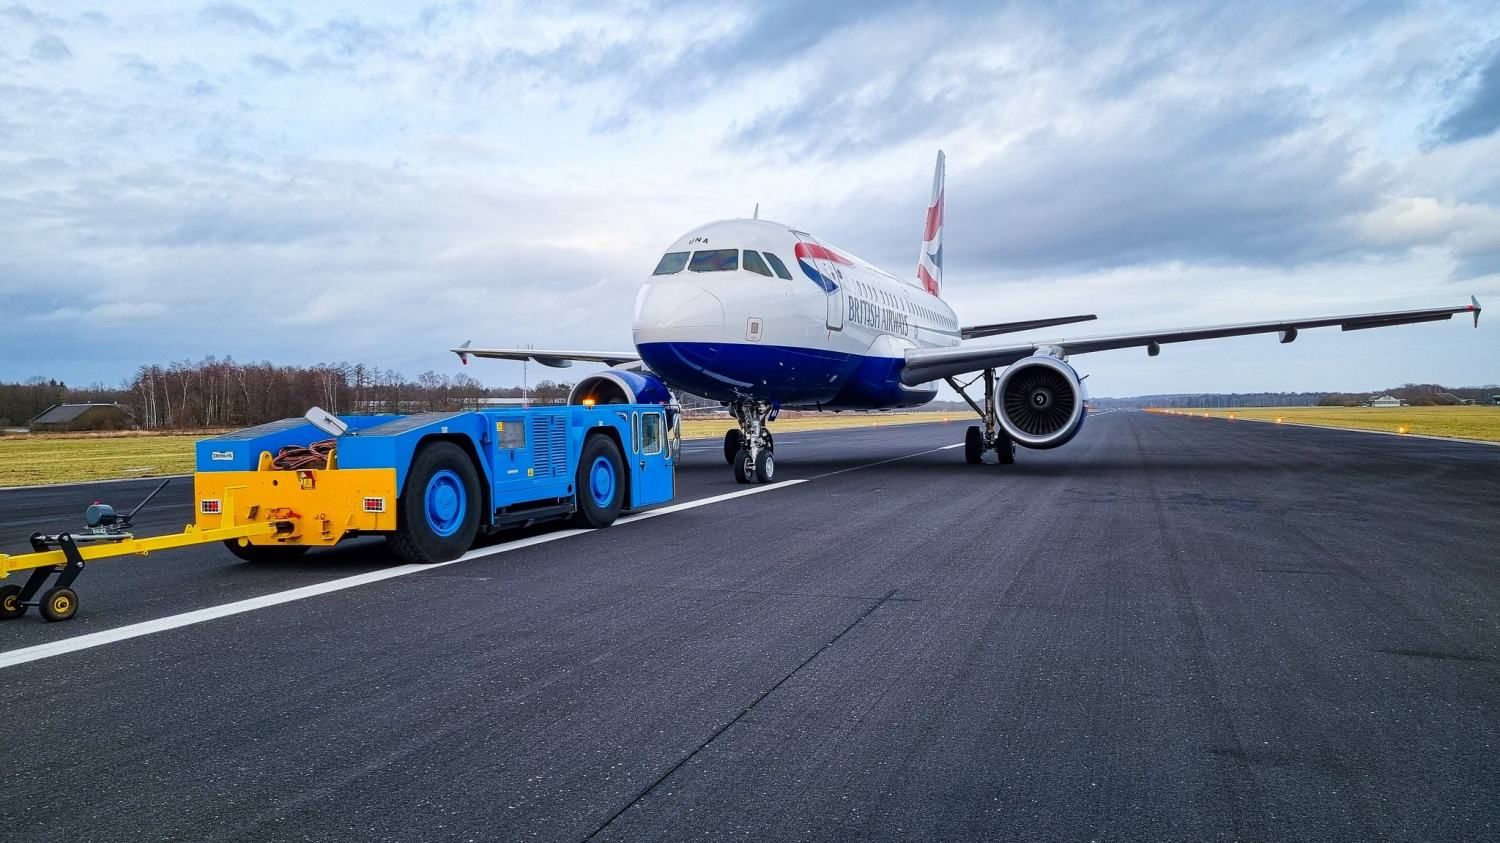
[715,260]
[777,265]
[755,264]
[671,262]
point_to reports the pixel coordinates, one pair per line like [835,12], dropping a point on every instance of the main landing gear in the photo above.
[749,448]
[990,436]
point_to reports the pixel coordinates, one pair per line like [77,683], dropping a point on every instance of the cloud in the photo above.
[50,48]
[270,65]
[236,17]
[508,173]
[1480,115]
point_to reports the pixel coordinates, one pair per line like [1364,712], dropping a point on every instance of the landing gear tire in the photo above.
[765,466]
[438,516]
[265,554]
[600,483]
[10,602]
[973,446]
[744,467]
[59,604]
[733,442]
[1005,449]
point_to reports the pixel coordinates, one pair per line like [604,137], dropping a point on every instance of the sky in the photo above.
[376,182]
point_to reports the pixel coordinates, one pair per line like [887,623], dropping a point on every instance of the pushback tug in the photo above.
[430,483]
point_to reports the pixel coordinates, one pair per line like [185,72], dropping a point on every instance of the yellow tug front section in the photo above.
[320,506]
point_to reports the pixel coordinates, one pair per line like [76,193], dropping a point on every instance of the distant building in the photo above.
[1495,399]
[1386,401]
[75,417]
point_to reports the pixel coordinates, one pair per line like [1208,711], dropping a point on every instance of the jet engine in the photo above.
[1041,402]
[621,386]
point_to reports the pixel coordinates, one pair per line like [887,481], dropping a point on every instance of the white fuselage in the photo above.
[752,309]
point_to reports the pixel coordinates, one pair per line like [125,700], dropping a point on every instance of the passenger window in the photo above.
[755,264]
[777,265]
[671,263]
[715,260]
[650,433]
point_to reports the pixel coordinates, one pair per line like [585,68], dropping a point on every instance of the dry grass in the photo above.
[32,459]
[65,458]
[1474,422]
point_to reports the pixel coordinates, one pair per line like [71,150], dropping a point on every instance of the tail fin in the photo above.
[930,261]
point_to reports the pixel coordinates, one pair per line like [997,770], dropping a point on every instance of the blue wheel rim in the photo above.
[602,481]
[445,502]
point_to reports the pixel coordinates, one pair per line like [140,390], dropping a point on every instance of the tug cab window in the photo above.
[755,264]
[777,265]
[671,263]
[651,433]
[715,260]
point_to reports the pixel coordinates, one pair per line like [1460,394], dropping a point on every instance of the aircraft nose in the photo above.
[677,305]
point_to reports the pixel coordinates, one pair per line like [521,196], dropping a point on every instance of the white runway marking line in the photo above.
[12,658]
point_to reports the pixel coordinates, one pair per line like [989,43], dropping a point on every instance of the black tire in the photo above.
[1005,449]
[10,602]
[973,446]
[744,469]
[437,516]
[600,499]
[59,604]
[765,466]
[733,439]
[266,554]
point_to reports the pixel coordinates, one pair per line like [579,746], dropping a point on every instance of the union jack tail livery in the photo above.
[930,261]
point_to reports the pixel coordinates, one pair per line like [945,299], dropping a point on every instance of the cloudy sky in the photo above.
[377,181]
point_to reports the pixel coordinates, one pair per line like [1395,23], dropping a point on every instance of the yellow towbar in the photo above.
[106,536]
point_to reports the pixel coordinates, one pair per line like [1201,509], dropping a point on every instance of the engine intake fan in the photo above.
[1041,402]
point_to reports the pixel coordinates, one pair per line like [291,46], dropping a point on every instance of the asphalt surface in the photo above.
[1172,629]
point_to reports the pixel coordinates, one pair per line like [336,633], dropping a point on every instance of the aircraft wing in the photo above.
[970,332]
[556,358]
[927,364]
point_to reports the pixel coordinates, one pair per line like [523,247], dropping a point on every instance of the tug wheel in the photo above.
[265,553]
[10,602]
[59,604]
[601,481]
[438,517]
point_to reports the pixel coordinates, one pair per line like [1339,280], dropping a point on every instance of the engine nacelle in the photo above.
[620,386]
[1041,402]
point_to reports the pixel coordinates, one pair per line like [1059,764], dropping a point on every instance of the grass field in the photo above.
[1457,422]
[28,460]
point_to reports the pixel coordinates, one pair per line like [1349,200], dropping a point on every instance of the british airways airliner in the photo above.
[762,316]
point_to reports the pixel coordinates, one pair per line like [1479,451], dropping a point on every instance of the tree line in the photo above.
[214,393]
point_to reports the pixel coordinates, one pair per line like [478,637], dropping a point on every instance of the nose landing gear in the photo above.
[749,448]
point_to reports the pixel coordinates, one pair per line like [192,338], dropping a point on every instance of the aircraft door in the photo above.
[832,275]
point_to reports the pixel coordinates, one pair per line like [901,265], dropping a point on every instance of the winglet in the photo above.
[1474,306]
[463,356]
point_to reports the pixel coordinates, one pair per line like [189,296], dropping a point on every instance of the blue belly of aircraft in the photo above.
[790,376]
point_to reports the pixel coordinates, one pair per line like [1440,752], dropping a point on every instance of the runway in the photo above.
[1173,628]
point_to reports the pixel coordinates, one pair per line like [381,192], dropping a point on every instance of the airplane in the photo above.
[763,317]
